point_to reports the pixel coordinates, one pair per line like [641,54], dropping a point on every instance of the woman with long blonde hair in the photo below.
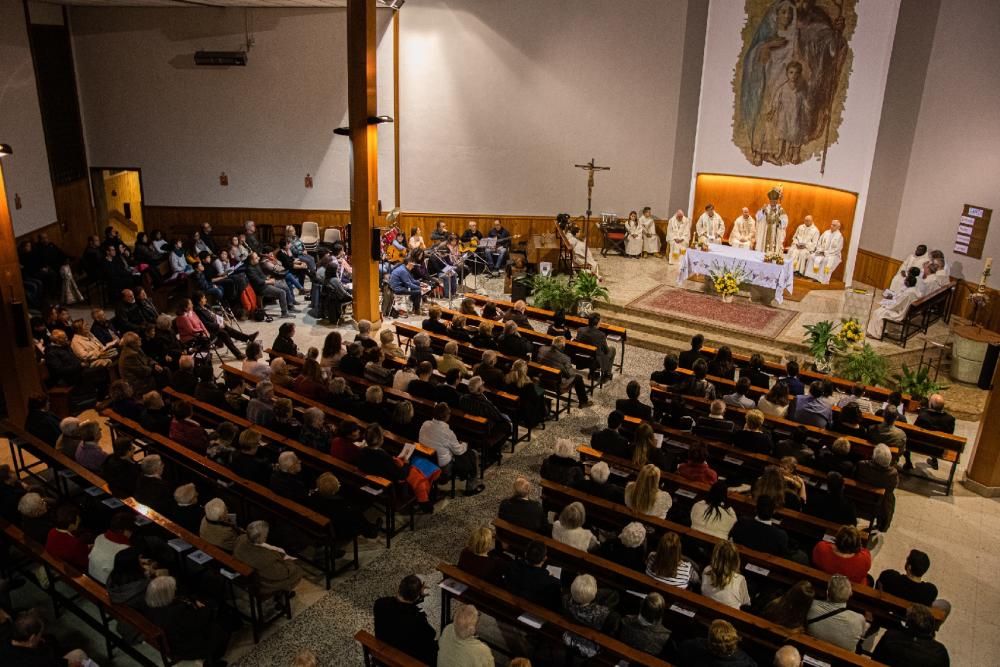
[643,443]
[770,483]
[517,376]
[666,564]
[722,580]
[644,494]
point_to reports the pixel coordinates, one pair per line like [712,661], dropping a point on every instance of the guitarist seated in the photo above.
[471,238]
[496,259]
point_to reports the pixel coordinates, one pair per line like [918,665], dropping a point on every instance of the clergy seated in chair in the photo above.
[827,256]
[893,309]
[803,245]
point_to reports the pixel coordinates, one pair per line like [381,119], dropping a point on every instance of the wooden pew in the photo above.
[247,492]
[921,314]
[88,590]
[348,475]
[732,460]
[685,609]
[473,428]
[686,493]
[396,502]
[502,605]
[614,332]
[610,516]
[379,654]
[549,378]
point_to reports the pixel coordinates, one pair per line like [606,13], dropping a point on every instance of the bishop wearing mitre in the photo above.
[822,263]
[678,236]
[803,245]
[744,231]
[772,221]
[710,227]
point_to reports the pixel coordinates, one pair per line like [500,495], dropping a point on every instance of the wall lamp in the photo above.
[6,150]
[372,120]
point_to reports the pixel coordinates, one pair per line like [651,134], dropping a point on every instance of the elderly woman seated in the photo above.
[276,573]
[562,466]
[583,606]
[191,627]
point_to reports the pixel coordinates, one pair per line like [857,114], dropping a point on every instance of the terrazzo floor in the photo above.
[959,532]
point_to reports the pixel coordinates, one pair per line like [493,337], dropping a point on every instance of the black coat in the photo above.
[612,443]
[535,584]
[154,492]
[524,512]
[633,407]
[405,627]
[562,470]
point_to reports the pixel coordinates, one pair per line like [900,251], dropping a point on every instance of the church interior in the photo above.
[468,333]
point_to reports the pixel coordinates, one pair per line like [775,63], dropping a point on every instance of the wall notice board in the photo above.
[972,227]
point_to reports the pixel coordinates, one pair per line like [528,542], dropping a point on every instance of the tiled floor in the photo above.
[961,533]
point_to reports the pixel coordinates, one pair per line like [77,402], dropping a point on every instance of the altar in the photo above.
[769,276]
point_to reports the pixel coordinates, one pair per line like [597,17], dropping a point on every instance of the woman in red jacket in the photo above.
[696,468]
[844,556]
[63,541]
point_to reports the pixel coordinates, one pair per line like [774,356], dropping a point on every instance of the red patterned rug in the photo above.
[740,315]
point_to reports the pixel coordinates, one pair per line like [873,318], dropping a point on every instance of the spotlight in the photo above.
[378,120]
[6,150]
[343,131]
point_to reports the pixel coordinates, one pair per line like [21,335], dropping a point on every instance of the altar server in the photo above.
[893,309]
[678,236]
[744,231]
[822,263]
[774,211]
[803,244]
[650,237]
[633,235]
[917,259]
[710,227]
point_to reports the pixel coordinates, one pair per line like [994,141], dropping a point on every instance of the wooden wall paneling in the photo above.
[75,218]
[874,269]
[729,194]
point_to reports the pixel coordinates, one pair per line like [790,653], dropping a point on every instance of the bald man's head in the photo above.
[787,656]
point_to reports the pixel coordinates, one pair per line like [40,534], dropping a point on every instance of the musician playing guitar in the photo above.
[471,238]
[496,259]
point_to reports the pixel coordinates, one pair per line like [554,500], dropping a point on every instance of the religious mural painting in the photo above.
[791,79]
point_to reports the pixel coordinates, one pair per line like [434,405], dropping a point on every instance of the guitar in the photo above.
[393,253]
[471,246]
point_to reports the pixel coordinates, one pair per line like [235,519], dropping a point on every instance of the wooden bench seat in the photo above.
[686,611]
[499,603]
[921,314]
[379,654]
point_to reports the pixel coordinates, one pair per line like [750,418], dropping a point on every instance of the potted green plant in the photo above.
[863,365]
[822,340]
[917,383]
[587,289]
[552,292]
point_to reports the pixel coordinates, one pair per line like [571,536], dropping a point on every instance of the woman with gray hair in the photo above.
[190,626]
[35,521]
[459,646]
[314,432]
[582,605]
[275,572]
[629,549]
[569,529]
[562,466]
[880,472]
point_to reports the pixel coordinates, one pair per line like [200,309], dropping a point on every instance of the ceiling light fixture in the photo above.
[378,120]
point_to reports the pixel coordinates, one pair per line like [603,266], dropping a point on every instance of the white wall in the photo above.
[849,160]
[500,99]
[955,156]
[145,104]
[27,171]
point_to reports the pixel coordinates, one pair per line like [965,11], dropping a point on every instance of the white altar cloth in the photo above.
[779,277]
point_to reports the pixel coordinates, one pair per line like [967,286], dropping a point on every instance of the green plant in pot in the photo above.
[823,342]
[863,365]
[553,292]
[917,383]
[587,289]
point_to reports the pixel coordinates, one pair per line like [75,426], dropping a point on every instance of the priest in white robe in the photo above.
[710,227]
[917,259]
[893,309]
[650,237]
[583,258]
[803,245]
[678,237]
[773,209]
[934,278]
[633,235]
[744,231]
[822,263]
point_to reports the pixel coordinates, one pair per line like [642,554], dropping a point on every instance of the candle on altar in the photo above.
[986,273]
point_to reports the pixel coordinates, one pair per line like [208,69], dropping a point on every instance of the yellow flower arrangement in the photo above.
[726,282]
[851,332]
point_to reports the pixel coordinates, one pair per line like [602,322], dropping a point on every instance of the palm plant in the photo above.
[917,383]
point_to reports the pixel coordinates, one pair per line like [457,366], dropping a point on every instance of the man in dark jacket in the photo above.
[401,623]
[669,375]
[632,406]
[522,511]
[914,645]
[475,403]
[760,532]
[553,355]
[64,367]
[529,578]
[934,418]
[41,422]
[287,481]
[268,287]
[609,440]
[791,379]
[513,343]
[592,335]
[687,358]
[150,489]
[421,386]
[129,314]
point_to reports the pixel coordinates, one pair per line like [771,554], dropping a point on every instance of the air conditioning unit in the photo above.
[221,58]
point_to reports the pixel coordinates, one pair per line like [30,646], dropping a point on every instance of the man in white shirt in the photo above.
[934,278]
[678,236]
[893,309]
[710,227]
[453,456]
[803,245]
[650,237]
[744,231]
[822,263]
[831,621]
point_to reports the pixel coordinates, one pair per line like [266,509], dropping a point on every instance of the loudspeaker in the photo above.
[376,241]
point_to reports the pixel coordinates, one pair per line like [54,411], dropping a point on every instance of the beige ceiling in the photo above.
[202,3]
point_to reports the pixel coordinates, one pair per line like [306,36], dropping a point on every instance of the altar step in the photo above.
[665,334]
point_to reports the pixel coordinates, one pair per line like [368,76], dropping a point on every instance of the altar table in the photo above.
[778,277]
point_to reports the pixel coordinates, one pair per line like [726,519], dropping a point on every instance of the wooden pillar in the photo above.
[361,105]
[983,473]
[20,372]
